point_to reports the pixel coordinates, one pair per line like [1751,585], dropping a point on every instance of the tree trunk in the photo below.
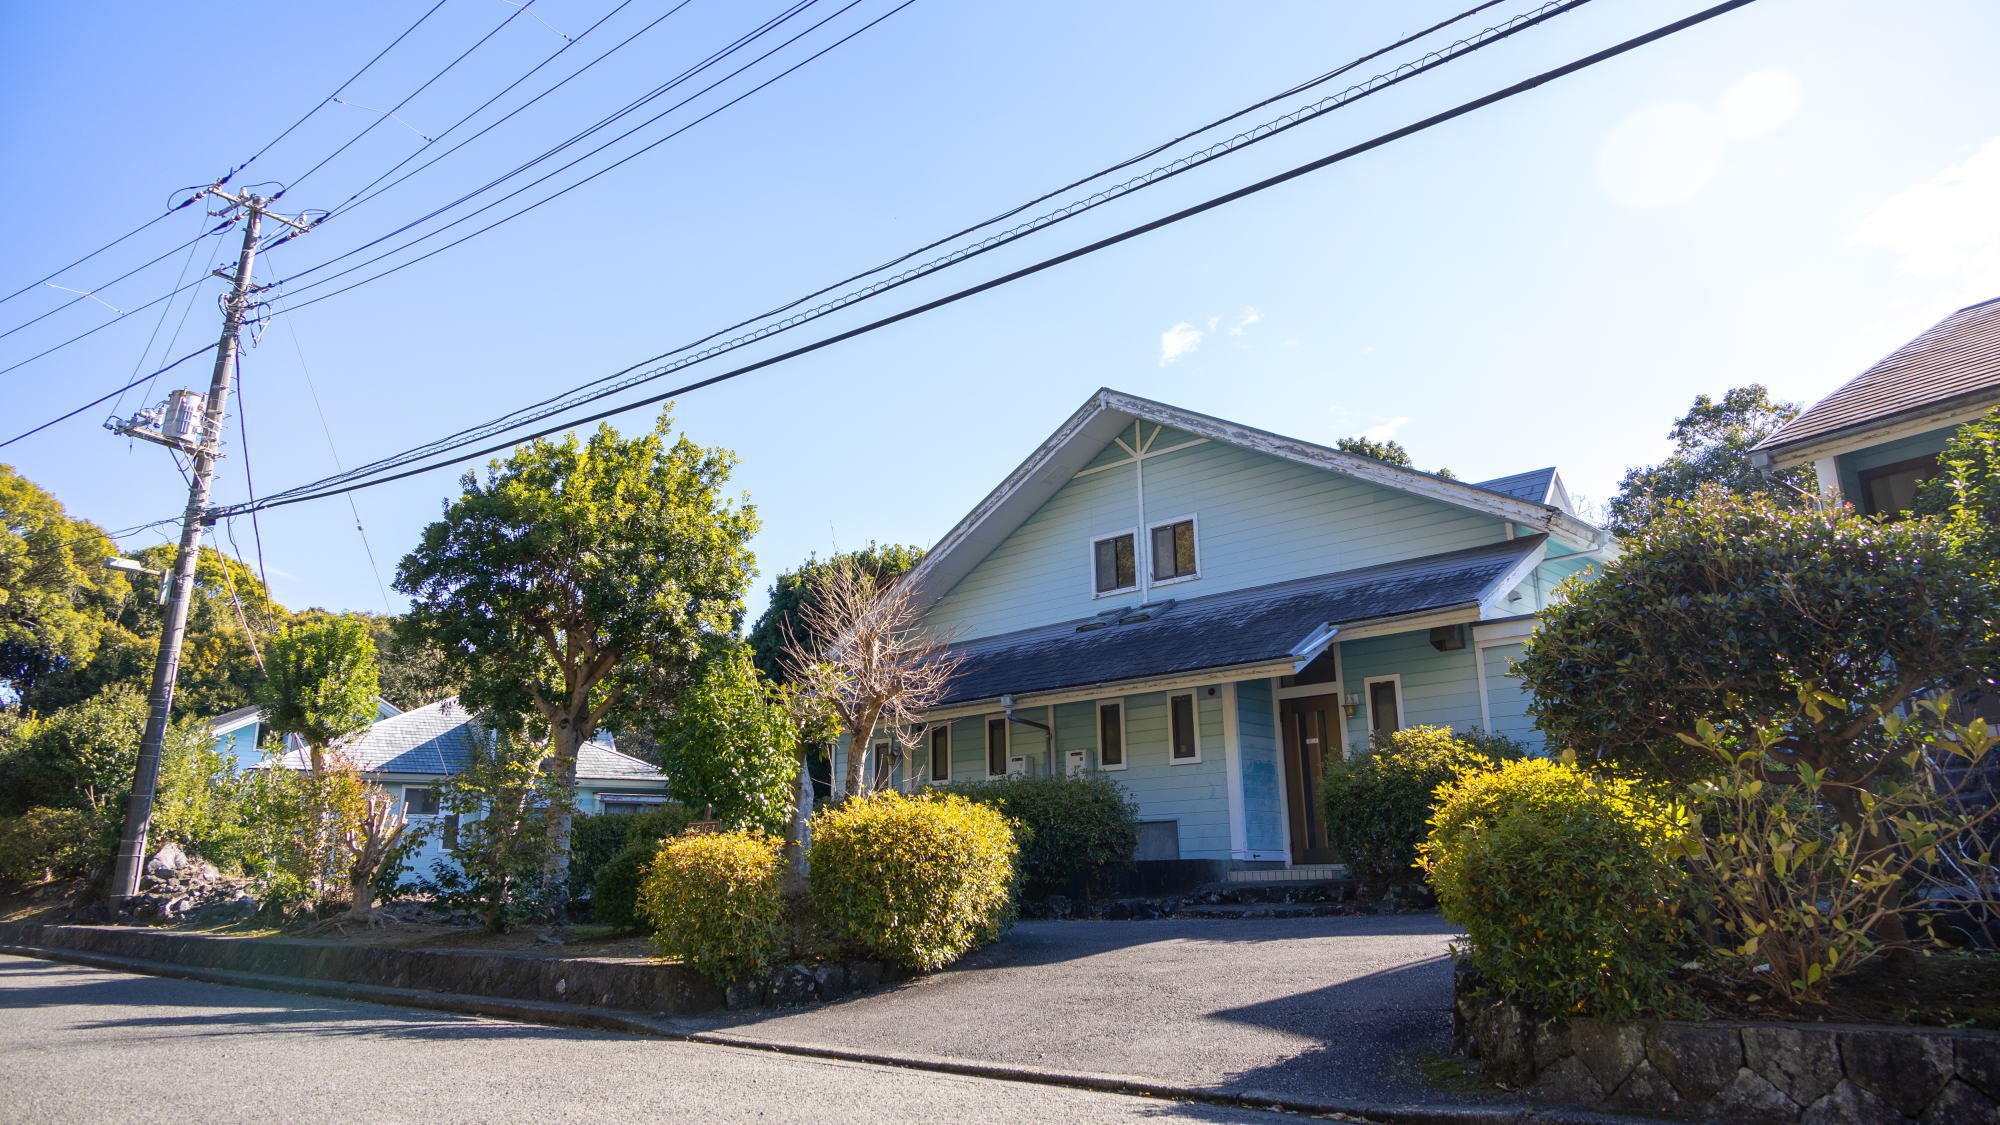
[1889,929]
[798,834]
[566,737]
[857,764]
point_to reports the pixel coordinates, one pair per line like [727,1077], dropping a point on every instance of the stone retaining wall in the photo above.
[1753,1073]
[622,985]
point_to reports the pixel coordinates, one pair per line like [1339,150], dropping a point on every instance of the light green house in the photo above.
[1206,611]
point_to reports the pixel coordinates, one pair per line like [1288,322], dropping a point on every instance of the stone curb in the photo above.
[574,1015]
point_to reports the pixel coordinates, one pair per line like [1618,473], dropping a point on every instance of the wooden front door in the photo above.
[1312,732]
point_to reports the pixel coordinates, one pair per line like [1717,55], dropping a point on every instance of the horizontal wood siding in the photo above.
[1506,696]
[1259,519]
[1439,688]
[1257,738]
[1192,795]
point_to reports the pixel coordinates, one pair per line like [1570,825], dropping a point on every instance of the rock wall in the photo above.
[1752,1073]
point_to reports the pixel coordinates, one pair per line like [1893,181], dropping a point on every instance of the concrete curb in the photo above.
[595,1019]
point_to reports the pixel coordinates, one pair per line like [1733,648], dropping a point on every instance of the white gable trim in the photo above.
[1106,418]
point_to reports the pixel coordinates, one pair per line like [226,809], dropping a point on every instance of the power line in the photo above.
[391,111]
[374,568]
[234,171]
[306,493]
[108,397]
[106,285]
[557,404]
[740,43]
[165,311]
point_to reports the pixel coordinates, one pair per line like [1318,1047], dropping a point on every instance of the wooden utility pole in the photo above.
[204,448]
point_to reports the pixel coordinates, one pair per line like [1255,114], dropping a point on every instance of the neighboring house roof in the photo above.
[1537,486]
[1099,420]
[1956,364]
[1284,621]
[244,716]
[438,739]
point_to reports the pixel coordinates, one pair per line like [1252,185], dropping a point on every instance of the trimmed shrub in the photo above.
[1378,805]
[1566,886]
[593,840]
[654,825]
[49,842]
[1066,827]
[716,903]
[917,880]
[614,899]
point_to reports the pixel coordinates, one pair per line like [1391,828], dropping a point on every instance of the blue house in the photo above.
[1876,438]
[244,736]
[1207,611]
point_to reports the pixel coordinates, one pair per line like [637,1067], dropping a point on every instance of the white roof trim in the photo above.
[1100,420]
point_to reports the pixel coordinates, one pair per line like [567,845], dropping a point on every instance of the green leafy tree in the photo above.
[793,594]
[731,743]
[80,757]
[583,582]
[55,594]
[1389,451]
[509,804]
[1722,609]
[319,683]
[1965,494]
[1712,444]
[411,668]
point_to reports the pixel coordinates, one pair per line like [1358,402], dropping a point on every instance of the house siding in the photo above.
[1438,688]
[1259,519]
[1260,758]
[1851,464]
[1506,696]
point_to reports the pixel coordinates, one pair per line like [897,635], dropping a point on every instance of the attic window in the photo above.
[1114,563]
[1173,550]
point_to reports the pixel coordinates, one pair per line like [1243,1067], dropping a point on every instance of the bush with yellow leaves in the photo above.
[716,902]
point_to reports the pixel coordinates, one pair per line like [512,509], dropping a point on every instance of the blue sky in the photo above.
[1782,195]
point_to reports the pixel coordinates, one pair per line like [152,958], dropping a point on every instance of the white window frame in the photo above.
[930,746]
[1368,701]
[1006,747]
[1194,723]
[436,800]
[878,753]
[1124,737]
[1194,529]
[1138,563]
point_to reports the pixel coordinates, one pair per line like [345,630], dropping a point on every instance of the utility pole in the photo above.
[174,424]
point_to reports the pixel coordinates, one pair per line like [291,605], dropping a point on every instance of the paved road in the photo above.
[1334,1009]
[85,1045]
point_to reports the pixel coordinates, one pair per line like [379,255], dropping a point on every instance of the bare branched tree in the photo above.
[868,656]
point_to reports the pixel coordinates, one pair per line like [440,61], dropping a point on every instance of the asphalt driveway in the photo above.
[1336,1009]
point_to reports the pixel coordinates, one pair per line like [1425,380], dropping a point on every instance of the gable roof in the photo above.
[1284,621]
[1956,363]
[1107,412]
[1537,486]
[438,739]
[243,716]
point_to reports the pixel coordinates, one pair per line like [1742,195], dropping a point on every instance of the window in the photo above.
[1114,563]
[1111,736]
[1385,706]
[1888,490]
[1186,740]
[420,800]
[628,802]
[1173,550]
[940,743]
[996,747]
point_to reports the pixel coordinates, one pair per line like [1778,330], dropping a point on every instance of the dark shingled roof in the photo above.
[437,740]
[1531,486]
[1958,356]
[1229,629]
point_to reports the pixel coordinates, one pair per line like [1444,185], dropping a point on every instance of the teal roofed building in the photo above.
[1208,611]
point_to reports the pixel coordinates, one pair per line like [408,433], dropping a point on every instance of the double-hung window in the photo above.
[1114,563]
[1172,550]
[1184,736]
[1111,736]
[420,800]
[996,747]
[940,746]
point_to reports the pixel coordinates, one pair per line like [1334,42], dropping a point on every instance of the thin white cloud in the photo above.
[1244,320]
[1947,227]
[1665,153]
[1178,341]
[1383,431]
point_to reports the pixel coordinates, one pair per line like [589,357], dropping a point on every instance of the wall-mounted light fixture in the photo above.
[1350,703]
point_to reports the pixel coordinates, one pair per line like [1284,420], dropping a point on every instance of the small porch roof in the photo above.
[1283,623]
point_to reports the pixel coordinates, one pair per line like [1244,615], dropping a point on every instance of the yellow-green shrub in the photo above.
[917,880]
[716,902]
[1378,805]
[1566,885]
